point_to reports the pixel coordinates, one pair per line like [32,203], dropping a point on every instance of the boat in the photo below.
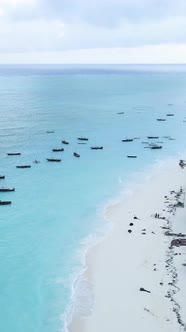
[170,114]
[76,155]
[156,147]
[53,160]
[50,131]
[131,156]
[2,177]
[14,154]
[127,140]
[161,119]
[65,142]
[82,138]
[120,113]
[5,202]
[82,143]
[58,150]
[5,190]
[23,166]
[96,147]
[152,137]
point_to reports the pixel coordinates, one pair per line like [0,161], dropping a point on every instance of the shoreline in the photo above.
[112,264]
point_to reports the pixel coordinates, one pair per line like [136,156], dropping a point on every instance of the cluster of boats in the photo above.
[83,140]
[5,190]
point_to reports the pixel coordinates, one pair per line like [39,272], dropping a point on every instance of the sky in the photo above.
[93,31]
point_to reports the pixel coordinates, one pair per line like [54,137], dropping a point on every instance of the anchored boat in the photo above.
[53,160]
[5,190]
[58,150]
[23,166]
[76,155]
[5,202]
[14,154]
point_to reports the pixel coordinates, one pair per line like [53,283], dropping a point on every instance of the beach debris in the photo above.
[178,243]
[174,234]
[147,310]
[182,163]
[136,217]
[144,290]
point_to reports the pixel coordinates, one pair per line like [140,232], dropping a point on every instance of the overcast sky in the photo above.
[93,31]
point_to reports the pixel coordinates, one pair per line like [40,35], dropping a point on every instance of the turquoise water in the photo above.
[56,206]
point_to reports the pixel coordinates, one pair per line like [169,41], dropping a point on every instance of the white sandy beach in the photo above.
[124,262]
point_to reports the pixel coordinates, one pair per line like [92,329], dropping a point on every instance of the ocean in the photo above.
[57,209]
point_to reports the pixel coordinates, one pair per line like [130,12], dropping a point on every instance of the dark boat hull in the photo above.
[131,156]
[156,147]
[127,140]
[76,155]
[14,154]
[152,137]
[65,142]
[53,160]
[6,190]
[82,139]
[97,148]
[24,166]
[5,202]
[57,150]
[2,177]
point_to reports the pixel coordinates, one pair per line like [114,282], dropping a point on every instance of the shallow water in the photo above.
[57,205]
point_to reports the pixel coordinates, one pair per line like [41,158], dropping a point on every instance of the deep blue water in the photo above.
[56,206]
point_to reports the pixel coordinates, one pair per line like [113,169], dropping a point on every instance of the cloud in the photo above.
[59,25]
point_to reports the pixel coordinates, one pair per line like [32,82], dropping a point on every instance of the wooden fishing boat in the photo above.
[131,156]
[53,160]
[2,177]
[50,131]
[152,137]
[58,150]
[76,155]
[65,142]
[156,147]
[127,140]
[161,119]
[82,138]
[14,154]
[96,147]
[23,166]
[5,202]
[5,190]
[170,114]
